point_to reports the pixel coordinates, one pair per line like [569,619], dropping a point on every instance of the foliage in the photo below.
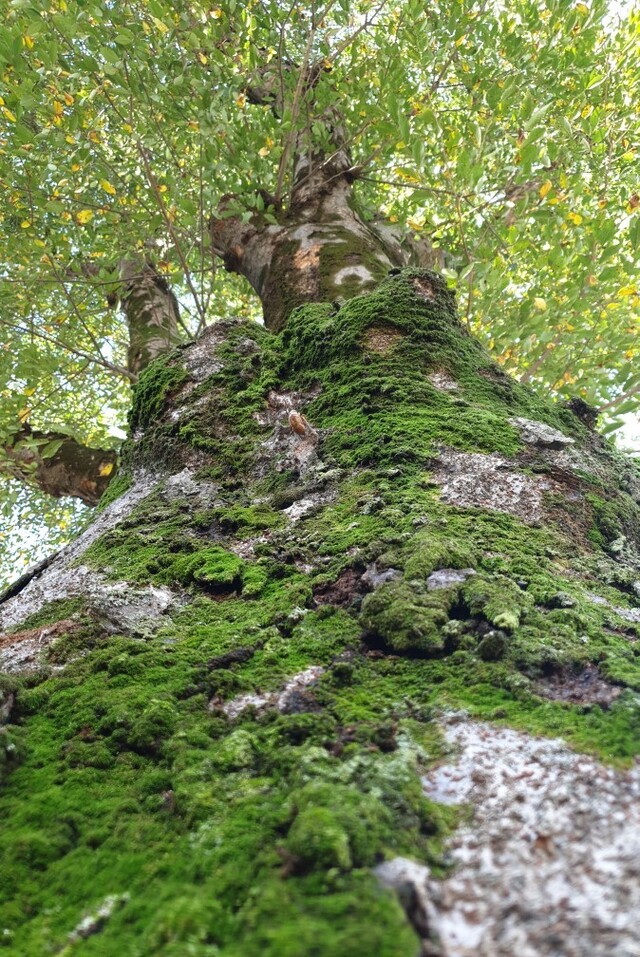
[508,134]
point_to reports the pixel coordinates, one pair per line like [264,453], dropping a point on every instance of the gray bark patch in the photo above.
[118,606]
[282,699]
[381,338]
[470,479]
[448,577]
[20,651]
[578,687]
[541,434]
[629,614]
[443,381]
[550,864]
[60,578]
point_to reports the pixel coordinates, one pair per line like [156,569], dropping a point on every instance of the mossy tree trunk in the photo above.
[225,703]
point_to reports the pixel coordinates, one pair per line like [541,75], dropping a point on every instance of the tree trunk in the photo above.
[334,553]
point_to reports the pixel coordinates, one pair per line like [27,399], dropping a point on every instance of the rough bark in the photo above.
[332,556]
[321,248]
[58,464]
[151,311]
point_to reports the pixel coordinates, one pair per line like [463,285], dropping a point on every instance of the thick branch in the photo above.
[58,464]
[151,311]
[321,249]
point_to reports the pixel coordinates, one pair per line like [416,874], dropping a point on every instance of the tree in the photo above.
[225,701]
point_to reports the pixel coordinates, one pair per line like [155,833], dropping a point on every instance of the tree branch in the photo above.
[151,310]
[619,399]
[57,464]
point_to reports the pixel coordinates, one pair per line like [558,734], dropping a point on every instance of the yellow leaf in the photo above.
[25,223]
[629,155]
[575,218]
[94,137]
[107,187]
[203,59]
[162,189]
[58,108]
[587,110]
[24,414]
[264,151]
[540,304]
[127,127]
[461,40]
[9,115]
[106,468]
[28,42]
[84,216]
[70,140]
[40,243]
[75,167]
[146,28]
[545,188]
[68,99]
[216,13]
[627,291]
[241,101]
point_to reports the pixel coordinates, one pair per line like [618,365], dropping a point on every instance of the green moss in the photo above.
[257,835]
[498,599]
[117,487]
[407,616]
[429,553]
[336,827]
[160,378]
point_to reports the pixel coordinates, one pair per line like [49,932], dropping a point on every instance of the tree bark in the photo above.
[151,311]
[338,552]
